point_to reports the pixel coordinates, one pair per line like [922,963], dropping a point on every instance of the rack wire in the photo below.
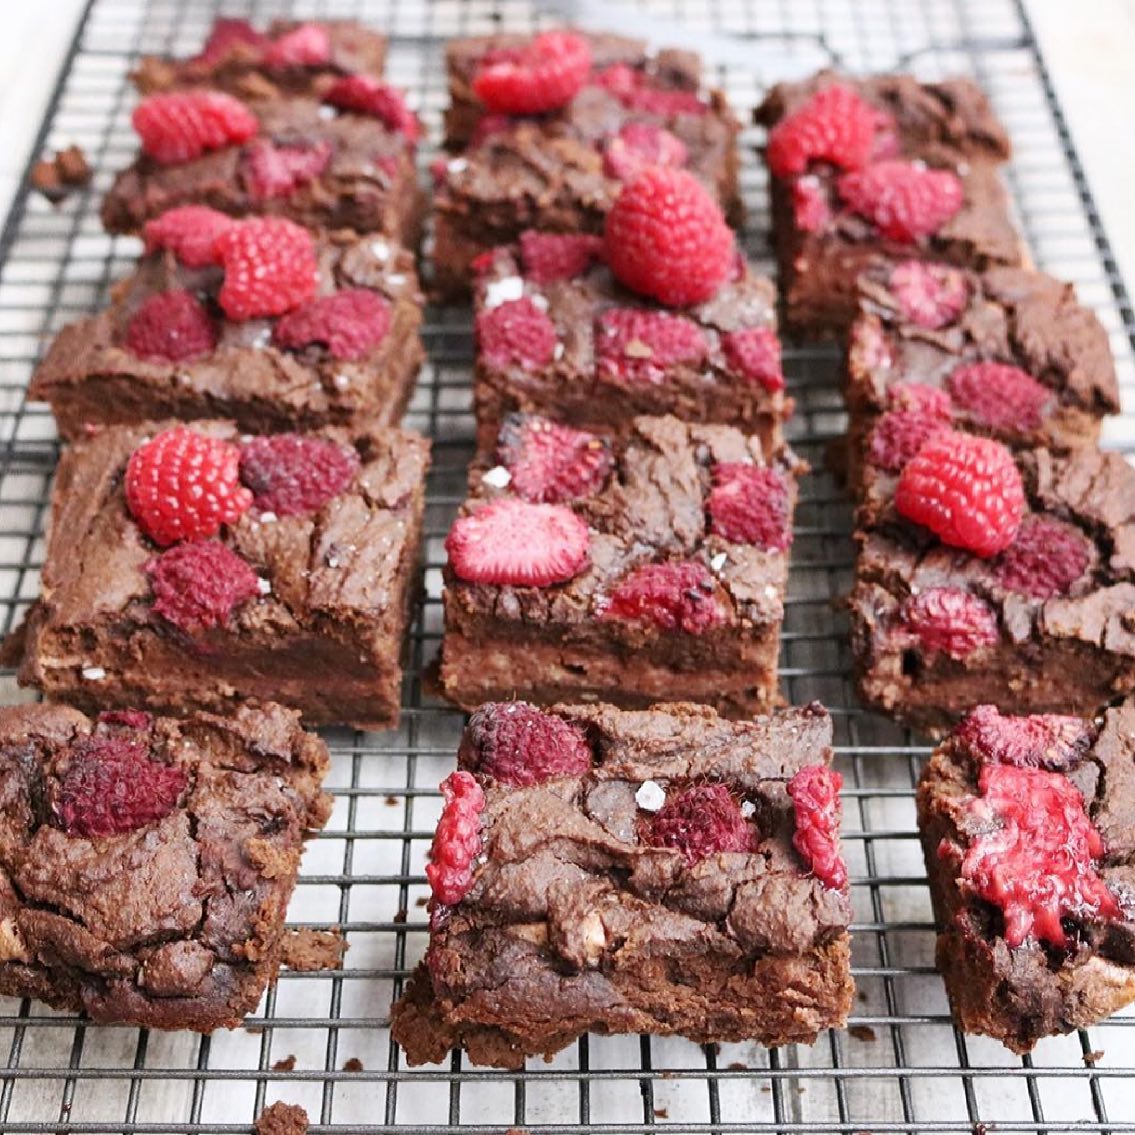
[321,1039]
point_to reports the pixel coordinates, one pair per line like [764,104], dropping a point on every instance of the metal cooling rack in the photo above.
[900,1067]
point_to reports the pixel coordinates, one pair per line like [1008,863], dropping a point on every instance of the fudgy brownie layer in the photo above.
[91,378]
[177,924]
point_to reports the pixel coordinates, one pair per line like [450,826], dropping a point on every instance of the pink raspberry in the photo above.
[308,45]
[642,346]
[136,719]
[674,596]
[810,209]
[748,504]
[366,95]
[270,267]
[700,821]
[190,232]
[919,413]
[951,621]
[197,586]
[635,90]
[999,396]
[1045,559]
[516,743]
[272,170]
[1045,740]
[835,126]
[755,353]
[457,841]
[545,75]
[350,324]
[815,802]
[515,333]
[548,257]
[904,200]
[292,474]
[182,125]
[228,36]
[639,145]
[929,295]
[171,327]
[552,463]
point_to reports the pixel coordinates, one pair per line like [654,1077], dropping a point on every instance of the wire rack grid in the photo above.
[321,1039]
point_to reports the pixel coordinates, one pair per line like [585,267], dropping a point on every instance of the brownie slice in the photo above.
[146,864]
[359,375]
[823,244]
[660,871]
[1028,827]
[317,576]
[648,569]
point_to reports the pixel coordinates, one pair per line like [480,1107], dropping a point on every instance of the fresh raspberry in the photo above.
[545,75]
[931,401]
[366,95]
[198,585]
[515,743]
[183,485]
[457,841]
[308,45]
[291,474]
[748,504]
[558,256]
[667,238]
[109,786]
[929,295]
[1045,740]
[640,346]
[675,596]
[700,821]
[755,353]
[227,36]
[816,805]
[136,719]
[999,396]
[620,80]
[182,125]
[171,326]
[552,463]
[516,333]
[190,232]
[350,324]
[510,541]
[663,102]
[810,208]
[1033,854]
[639,145]
[270,267]
[834,126]
[1045,559]
[950,620]
[920,412]
[271,171]
[967,490]
[904,200]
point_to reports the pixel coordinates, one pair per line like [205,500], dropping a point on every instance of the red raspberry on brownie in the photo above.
[929,295]
[748,504]
[516,743]
[552,463]
[835,126]
[270,267]
[172,327]
[639,145]
[271,170]
[810,208]
[198,585]
[545,75]
[308,45]
[364,94]
[674,596]
[548,257]
[350,324]
[998,395]
[1044,740]
[457,840]
[292,474]
[190,232]
[1045,559]
[182,125]
[700,821]
[814,792]
[639,345]
[229,35]
[515,333]
[906,201]
[918,413]
[949,620]
[755,352]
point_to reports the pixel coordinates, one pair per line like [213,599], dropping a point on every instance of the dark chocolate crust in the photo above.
[340,586]
[91,379]
[177,925]
[572,925]
[1022,994]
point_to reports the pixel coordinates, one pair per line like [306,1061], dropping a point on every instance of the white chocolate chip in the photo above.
[541,302]
[502,290]
[396,279]
[719,561]
[265,586]
[327,112]
[380,250]
[94,673]
[457,165]
[770,591]
[498,477]
[558,351]
[650,796]
[262,338]
[268,518]
[594,937]
[332,561]
[341,381]
[748,808]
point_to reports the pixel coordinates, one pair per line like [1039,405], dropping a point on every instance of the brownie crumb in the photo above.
[661,1113]
[737,1066]
[421,900]
[354,1064]
[1091,1059]
[392,801]
[288,1064]
[863,1032]
[57,176]
[308,950]
[282,1119]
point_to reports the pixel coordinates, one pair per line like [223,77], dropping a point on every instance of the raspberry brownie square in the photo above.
[191,567]
[647,569]
[658,871]
[867,171]
[146,863]
[1028,827]
[255,320]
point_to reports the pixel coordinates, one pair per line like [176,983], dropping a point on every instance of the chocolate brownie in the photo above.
[310,162]
[314,574]
[599,355]
[1028,826]
[146,864]
[922,183]
[660,871]
[256,372]
[635,571]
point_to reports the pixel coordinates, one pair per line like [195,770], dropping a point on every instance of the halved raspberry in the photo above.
[558,256]
[182,125]
[639,145]
[904,200]
[457,841]
[666,237]
[929,295]
[110,786]
[1044,740]
[190,232]
[755,352]
[1045,559]
[700,821]
[814,791]
[950,620]
[545,75]
[675,596]
[967,490]
[308,45]
[291,474]
[198,585]
[1000,396]
[834,126]
[271,171]
[366,95]
[920,412]
[183,485]
[171,326]
[515,333]
[641,346]
[510,541]
[550,462]
[810,208]
[227,36]
[516,743]
[748,504]
[1033,854]
[270,267]
[350,324]
[137,719]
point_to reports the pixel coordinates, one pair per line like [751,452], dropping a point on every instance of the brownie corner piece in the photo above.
[1026,824]
[572,892]
[146,863]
